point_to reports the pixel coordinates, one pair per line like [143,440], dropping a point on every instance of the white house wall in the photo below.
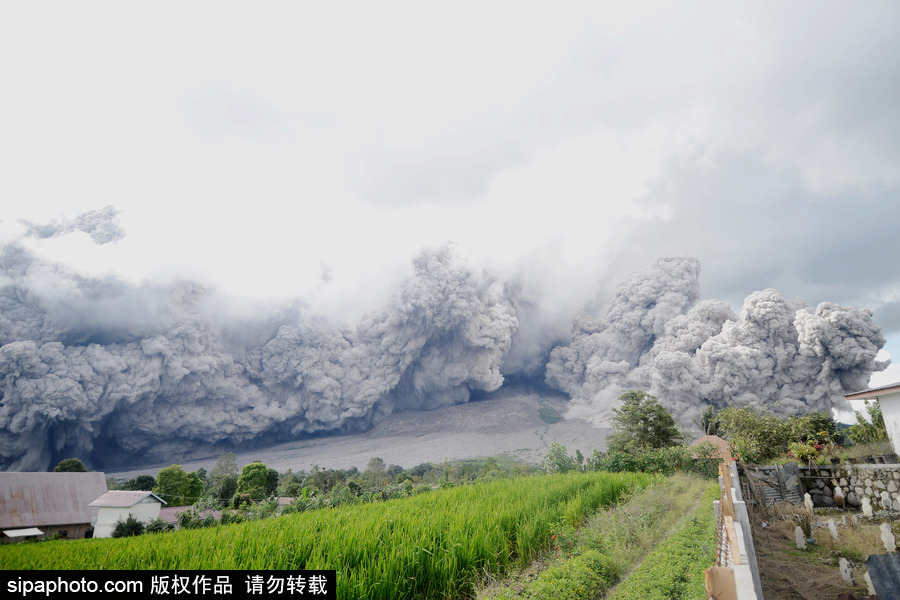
[144,511]
[890,410]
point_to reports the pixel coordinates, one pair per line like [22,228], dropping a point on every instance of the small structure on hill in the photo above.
[48,504]
[118,504]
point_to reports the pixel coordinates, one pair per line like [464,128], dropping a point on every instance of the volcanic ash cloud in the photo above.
[655,336]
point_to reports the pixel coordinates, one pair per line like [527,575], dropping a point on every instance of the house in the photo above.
[118,504]
[47,504]
[888,397]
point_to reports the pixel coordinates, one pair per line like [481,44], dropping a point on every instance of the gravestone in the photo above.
[869,584]
[807,501]
[833,529]
[888,538]
[883,571]
[847,572]
[800,538]
[866,507]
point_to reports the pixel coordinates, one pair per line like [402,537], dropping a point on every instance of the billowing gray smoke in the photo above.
[122,374]
[95,368]
[656,337]
[99,224]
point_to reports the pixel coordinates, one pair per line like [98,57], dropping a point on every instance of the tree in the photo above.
[253,480]
[272,482]
[70,465]
[558,459]
[140,483]
[375,469]
[873,430]
[755,434]
[642,423]
[221,474]
[176,487]
[709,423]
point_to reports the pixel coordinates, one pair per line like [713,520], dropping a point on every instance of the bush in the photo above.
[582,578]
[127,528]
[157,525]
[804,452]
[866,432]
[666,461]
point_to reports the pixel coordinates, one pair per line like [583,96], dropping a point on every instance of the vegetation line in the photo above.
[584,563]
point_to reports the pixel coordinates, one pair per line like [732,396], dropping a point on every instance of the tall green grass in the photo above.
[434,545]
[675,568]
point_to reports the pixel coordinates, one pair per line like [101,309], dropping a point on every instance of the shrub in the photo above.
[157,525]
[127,528]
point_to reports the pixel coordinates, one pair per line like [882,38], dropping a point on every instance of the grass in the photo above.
[586,562]
[788,573]
[434,545]
[675,568]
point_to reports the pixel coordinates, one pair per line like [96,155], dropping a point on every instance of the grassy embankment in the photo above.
[586,563]
[434,545]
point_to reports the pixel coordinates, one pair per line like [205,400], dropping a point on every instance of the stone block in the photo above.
[866,507]
[799,538]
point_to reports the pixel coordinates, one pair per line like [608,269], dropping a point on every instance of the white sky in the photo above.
[256,147]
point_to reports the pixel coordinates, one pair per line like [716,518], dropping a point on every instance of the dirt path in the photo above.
[690,512]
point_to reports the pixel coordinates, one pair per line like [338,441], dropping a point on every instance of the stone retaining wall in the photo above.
[847,485]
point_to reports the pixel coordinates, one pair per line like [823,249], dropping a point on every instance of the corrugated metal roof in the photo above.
[22,532]
[169,514]
[41,499]
[874,392]
[122,499]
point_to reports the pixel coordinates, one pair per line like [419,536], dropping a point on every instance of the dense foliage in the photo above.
[178,488]
[70,465]
[758,436]
[869,431]
[642,423]
[128,527]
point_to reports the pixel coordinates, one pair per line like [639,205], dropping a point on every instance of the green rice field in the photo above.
[434,545]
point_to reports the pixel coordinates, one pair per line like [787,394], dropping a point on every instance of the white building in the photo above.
[117,505]
[888,397]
